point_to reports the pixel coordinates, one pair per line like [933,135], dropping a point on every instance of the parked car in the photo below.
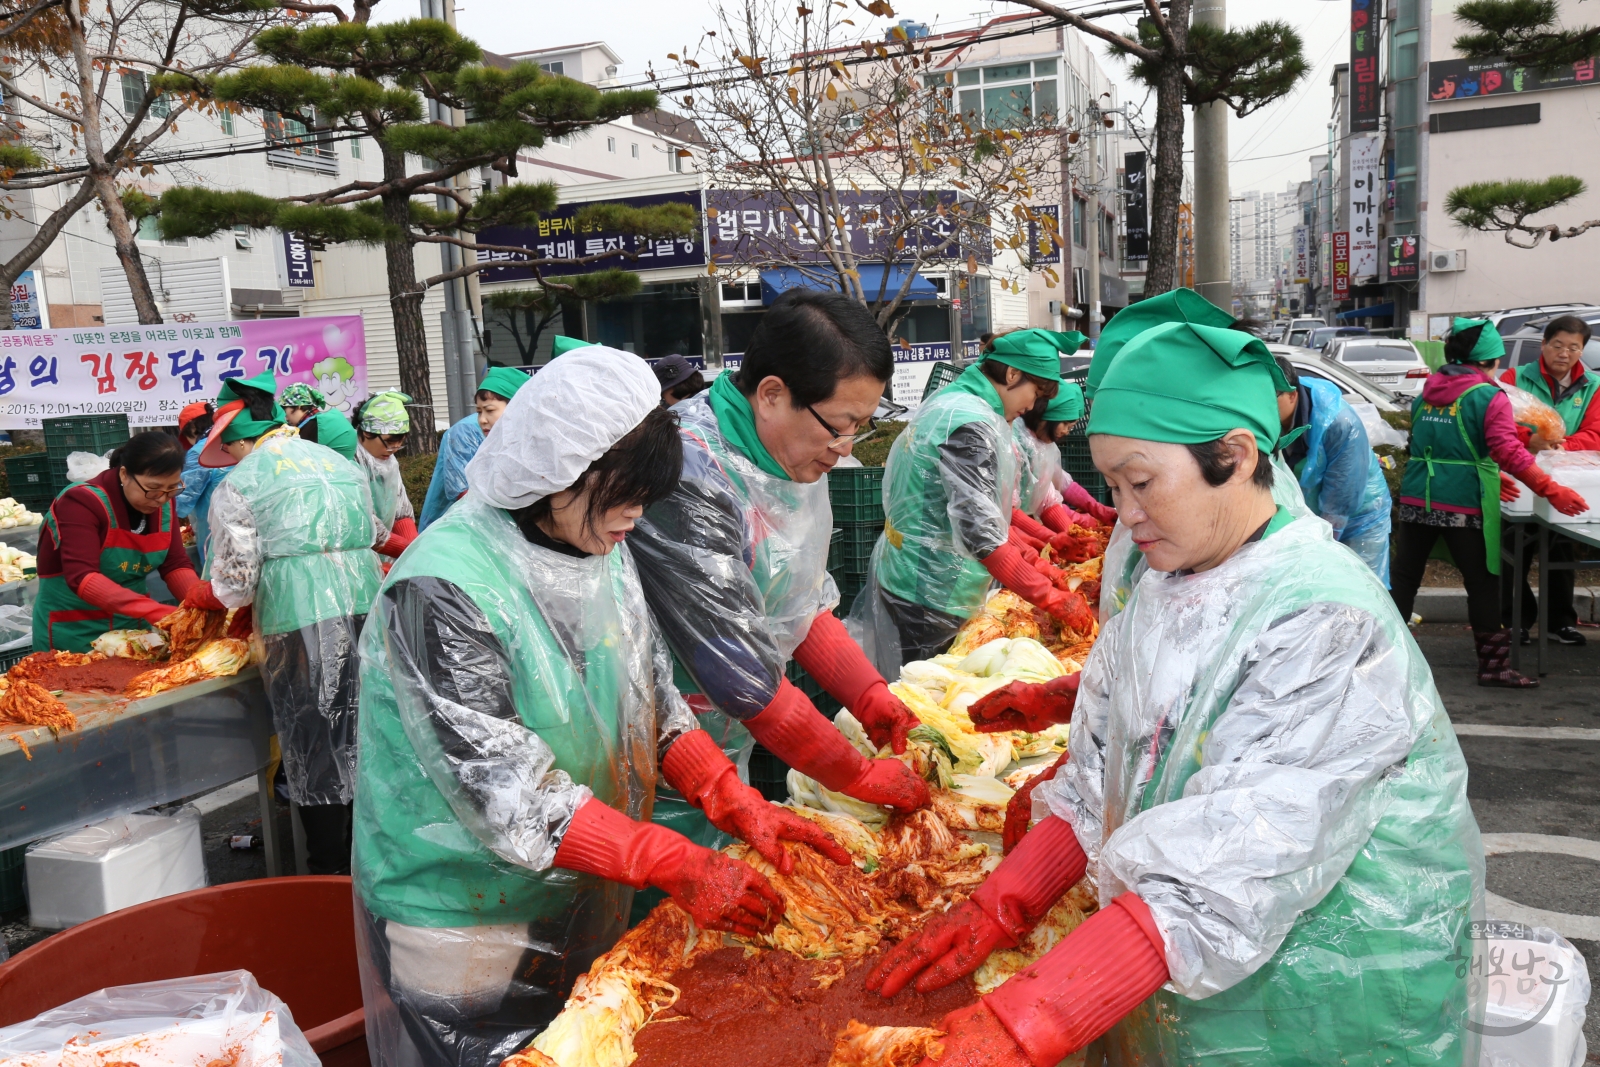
[1389,363]
[1319,338]
[1511,320]
[1523,345]
[1352,385]
[1306,323]
[1279,330]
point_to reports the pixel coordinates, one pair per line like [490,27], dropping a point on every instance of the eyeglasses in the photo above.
[1566,350]
[870,425]
[155,494]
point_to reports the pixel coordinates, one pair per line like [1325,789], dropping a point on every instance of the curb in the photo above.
[1449,603]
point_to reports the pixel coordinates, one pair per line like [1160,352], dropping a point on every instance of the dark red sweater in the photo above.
[82,522]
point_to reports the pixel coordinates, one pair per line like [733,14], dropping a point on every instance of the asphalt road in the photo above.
[1533,759]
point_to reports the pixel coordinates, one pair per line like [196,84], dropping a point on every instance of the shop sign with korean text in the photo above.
[1366,94]
[558,236]
[1403,257]
[1302,255]
[760,228]
[151,372]
[1341,265]
[1365,150]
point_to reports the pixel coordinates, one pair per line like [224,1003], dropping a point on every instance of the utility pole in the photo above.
[1212,276]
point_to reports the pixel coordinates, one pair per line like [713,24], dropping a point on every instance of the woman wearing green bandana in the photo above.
[948,489]
[1042,516]
[734,562]
[1462,436]
[307,411]
[461,441]
[1260,772]
[381,423]
[291,539]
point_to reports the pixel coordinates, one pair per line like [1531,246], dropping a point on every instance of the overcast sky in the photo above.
[1269,148]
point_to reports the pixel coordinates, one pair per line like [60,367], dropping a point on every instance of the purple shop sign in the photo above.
[759,228]
[558,236]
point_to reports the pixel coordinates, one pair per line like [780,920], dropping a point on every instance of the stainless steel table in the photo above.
[129,756]
[1518,531]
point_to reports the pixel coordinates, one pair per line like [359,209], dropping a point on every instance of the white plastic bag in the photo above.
[1378,431]
[1536,988]
[209,1018]
[81,466]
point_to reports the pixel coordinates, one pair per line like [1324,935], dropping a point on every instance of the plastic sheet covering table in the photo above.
[1514,544]
[23,538]
[129,756]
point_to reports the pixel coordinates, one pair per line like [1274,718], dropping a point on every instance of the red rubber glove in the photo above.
[1058,517]
[202,596]
[720,892]
[698,769]
[1071,608]
[107,595]
[1023,542]
[1008,567]
[243,623]
[400,537]
[1077,496]
[1026,706]
[1021,520]
[1010,903]
[974,1037]
[1074,549]
[796,733]
[1561,498]
[1509,489]
[1085,985]
[181,582]
[1019,809]
[837,663]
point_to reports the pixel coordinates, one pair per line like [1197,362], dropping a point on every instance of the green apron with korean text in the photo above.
[63,620]
[1447,464]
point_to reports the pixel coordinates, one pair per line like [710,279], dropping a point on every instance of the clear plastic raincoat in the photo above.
[1341,477]
[1259,752]
[291,533]
[948,488]
[389,500]
[506,680]
[1040,477]
[456,449]
[735,567]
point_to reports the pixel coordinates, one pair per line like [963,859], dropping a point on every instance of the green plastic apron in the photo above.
[1488,475]
[63,620]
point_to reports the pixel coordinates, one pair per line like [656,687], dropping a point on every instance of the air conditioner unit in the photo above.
[1447,260]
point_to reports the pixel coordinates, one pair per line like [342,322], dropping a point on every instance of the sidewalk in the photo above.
[1444,603]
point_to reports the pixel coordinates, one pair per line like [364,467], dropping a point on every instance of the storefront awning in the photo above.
[782,279]
[1376,311]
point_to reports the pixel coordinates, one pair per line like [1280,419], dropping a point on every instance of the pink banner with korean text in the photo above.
[151,372]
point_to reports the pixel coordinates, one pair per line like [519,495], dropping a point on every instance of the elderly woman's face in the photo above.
[1177,519]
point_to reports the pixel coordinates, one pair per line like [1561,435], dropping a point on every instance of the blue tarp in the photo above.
[1376,311]
[774,282]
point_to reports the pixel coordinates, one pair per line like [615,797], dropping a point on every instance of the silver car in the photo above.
[1387,362]
[1352,385]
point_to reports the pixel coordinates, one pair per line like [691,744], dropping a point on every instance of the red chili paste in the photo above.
[110,674]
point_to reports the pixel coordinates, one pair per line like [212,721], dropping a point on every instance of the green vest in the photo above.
[313,519]
[1450,462]
[64,621]
[1375,974]
[919,557]
[586,690]
[1530,376]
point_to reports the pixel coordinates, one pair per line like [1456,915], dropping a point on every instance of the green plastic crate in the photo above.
[850,551]
[769,775]
[1076,461]
[850,586]
[28,478]
[809,686]
[943,373]
[84,433]
[856,494]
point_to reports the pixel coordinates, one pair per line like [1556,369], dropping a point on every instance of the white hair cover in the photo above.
[568,416]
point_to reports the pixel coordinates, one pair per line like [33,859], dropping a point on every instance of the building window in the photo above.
[134,86]
[1079,238]
[558,67]
[1015,94]
[241,238]
[148,230]
[296,145]
[1108,236]
[226,119]
[611,144]
[1404,87]
[635,151]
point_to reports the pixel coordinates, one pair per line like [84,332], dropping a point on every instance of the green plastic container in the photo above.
[12,895]
[856,494]
[769,775]
[84,433]
[943,374]
[1076,461]
[28,479]
[809,686]
[850,551]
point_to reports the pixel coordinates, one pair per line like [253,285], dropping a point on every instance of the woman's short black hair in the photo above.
[489,394]
[642,468]
[812,339]
[1216,464]
[198,426]
[150,452]
[1459,345]
[995,371]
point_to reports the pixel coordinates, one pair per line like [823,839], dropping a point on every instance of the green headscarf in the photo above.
[386,413]
[1187,384]
[1174,305]
[737,420]
[1067,405]
[243,425]
[334,431]
[1489,346]
[301,395]
[562,345]
[1035,352]
[503,381]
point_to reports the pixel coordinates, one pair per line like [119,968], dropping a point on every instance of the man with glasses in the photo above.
[1560,379]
